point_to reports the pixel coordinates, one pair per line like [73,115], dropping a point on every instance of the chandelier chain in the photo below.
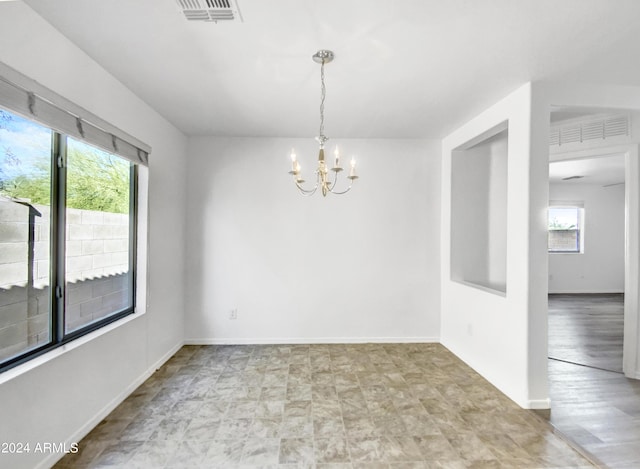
[323,92]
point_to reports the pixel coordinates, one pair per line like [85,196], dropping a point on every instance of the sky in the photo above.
[565,217]
[22,144]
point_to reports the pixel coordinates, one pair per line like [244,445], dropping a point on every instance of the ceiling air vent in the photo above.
[592,128]
[210,10]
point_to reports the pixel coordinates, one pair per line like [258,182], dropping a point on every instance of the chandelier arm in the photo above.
[335,181]
[344,191]
[306,192]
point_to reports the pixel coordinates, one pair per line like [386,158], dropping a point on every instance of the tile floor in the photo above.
[321,406]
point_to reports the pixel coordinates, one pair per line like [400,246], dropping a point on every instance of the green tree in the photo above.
[555,224]
[96,180]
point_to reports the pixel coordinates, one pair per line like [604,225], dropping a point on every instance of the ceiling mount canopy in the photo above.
[322,57]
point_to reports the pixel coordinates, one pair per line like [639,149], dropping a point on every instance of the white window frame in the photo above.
[579,206]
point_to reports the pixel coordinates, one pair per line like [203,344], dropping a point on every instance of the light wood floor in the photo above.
[595,408]
[587,329]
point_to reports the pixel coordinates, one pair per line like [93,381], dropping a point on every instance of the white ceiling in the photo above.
[408,68]
[601,171]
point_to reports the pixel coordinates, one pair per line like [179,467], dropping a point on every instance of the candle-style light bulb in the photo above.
[352,172]
[296,175]
[293,160]
[337,155]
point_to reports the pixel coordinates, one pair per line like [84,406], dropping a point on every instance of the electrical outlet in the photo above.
[233,314]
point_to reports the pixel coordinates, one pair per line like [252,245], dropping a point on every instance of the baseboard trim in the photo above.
[538,404]
[53,458]
[310,340]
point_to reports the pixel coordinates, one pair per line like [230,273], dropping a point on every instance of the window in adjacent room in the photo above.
[566,233]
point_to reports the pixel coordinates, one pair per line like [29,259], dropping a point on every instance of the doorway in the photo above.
[587,260]
[593,305]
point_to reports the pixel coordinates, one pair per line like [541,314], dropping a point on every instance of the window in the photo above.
[99,246]
[68,222]
[566,228]
[25,221]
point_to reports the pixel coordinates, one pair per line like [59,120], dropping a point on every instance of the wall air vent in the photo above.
[591,128]
[210,10]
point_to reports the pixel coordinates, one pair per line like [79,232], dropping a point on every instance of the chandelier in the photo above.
[326,183]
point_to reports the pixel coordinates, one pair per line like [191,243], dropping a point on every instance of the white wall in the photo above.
[62,398]
[505,339]
[490,330]
[357,267]
[600,269]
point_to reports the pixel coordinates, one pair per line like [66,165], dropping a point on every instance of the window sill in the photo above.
[40,360]
[498,290]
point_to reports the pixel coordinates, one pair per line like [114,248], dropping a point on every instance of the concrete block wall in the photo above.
[562,240]
[93,299]
[97,244]
[24,319]
[97,265]
[14,243]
